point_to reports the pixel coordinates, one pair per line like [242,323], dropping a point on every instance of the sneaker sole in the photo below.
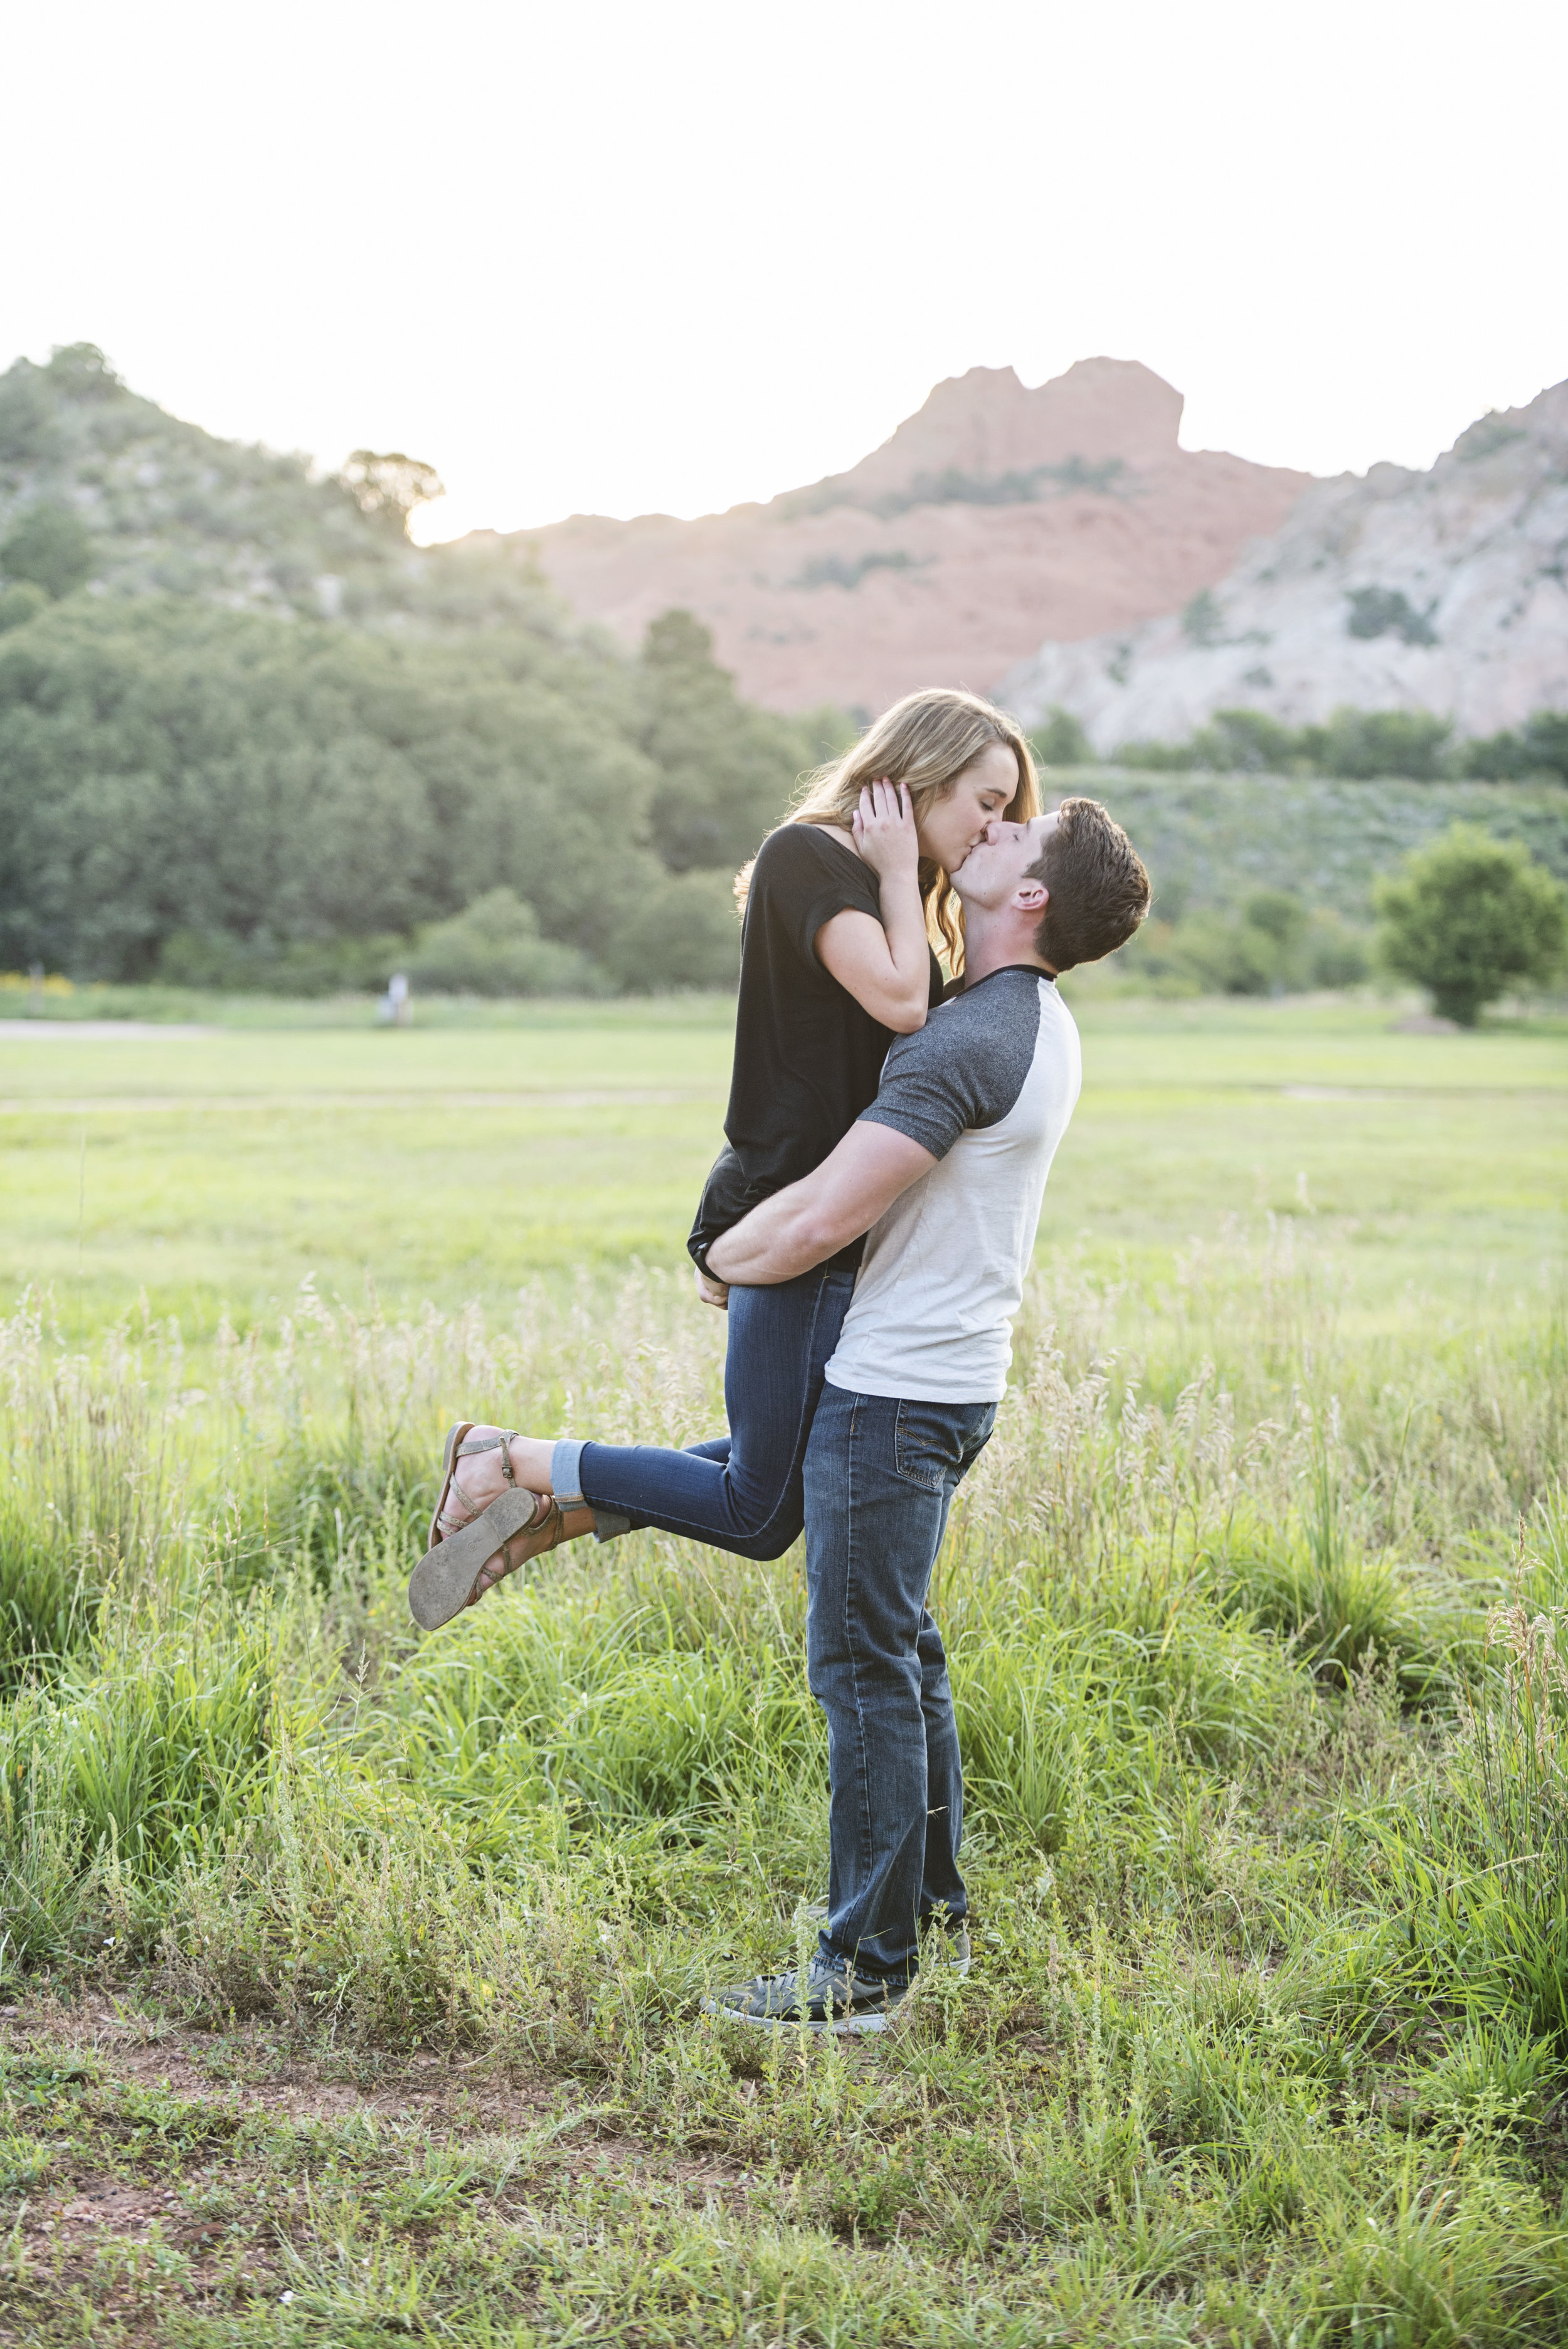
[848,2026]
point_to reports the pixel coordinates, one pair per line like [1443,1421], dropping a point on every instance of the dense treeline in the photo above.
[238,799]
[251,736]
[1353,745]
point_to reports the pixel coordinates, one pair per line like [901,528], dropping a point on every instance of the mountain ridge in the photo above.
[993,516]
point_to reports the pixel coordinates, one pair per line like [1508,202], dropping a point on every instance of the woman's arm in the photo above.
[886,965]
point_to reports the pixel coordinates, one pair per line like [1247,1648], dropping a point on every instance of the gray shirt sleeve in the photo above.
[965,1066]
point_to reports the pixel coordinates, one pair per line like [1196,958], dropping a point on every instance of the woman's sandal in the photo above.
[519,1523]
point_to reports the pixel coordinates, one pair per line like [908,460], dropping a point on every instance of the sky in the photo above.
[618,259]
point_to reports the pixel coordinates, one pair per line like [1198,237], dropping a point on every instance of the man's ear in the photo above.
[1031,897]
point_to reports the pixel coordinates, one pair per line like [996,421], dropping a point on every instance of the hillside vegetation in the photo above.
[233,799]
[251,738]
[161,507]
[203,778]
[1266,882]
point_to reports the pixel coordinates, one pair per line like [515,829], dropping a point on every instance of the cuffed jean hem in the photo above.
[566,1484]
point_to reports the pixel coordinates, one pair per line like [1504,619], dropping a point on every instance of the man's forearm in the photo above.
[811,1220]
[782,1236]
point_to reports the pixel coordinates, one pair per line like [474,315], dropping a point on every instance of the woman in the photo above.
[842,906]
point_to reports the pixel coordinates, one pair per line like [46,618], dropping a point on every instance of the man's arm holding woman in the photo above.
[811,1220]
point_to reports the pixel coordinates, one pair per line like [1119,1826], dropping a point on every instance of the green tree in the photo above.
[28,432]
[1365,744]
[1388,611]
[1247,742]
[1061,741]
[1469,916]
[50,547]
[166,769]
[20,604]
[80,371]
[683,932]
[725,770]
[390,488]
[1539,747]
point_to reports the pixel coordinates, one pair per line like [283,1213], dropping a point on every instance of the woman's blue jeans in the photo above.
[740,1492]
[880,1474]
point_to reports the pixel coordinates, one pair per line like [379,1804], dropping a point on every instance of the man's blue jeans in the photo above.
[880,1474]
[740,1492]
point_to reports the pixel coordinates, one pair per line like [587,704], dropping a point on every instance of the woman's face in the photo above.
[955,820]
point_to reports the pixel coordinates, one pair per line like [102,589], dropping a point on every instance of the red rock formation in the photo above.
[994,518]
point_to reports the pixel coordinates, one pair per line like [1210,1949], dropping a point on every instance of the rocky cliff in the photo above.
[1444,591]
[992,518]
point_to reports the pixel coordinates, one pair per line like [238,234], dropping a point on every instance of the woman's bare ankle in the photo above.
[531,1463]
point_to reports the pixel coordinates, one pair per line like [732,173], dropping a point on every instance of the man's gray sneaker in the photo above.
[833,1999]
[822,1999]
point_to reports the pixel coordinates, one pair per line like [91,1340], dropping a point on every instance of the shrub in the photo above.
[494,947]
[1061,741]
[19,604]
[209,958]
[1539,747]
[1272,947]
[1360,745]
[1365,744]
[1469,916]
[683,932]
[1388,612]
[50,547]
[1248,741]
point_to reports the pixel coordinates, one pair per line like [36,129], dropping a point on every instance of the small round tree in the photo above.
[1469,916]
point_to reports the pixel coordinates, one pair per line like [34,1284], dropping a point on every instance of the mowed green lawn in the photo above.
[218,1168]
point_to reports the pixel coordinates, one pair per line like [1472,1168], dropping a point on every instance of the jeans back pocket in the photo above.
[933,1443]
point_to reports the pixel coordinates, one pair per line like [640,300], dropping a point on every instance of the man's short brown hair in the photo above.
[1099,889]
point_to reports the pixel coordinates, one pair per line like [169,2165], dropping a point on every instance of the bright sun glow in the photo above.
[621,260]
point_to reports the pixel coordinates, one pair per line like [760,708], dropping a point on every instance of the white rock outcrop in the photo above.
[1445,590]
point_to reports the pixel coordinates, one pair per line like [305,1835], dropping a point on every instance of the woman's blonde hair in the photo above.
[925,740]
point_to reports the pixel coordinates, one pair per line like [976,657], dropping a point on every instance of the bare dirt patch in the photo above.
[255,2066]
[253,2069]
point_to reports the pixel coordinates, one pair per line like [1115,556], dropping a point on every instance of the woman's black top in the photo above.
[807,1057]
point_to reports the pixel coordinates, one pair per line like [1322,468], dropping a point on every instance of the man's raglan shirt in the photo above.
[988,1086]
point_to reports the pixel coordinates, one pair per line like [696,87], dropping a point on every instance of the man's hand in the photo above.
[814,1218]
[711,1291]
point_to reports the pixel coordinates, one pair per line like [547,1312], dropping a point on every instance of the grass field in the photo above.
[217,1169]
[353,1982]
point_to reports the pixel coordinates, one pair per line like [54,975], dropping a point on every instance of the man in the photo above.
[945,1172]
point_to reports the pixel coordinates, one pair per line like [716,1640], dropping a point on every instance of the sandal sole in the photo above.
[442,1583]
